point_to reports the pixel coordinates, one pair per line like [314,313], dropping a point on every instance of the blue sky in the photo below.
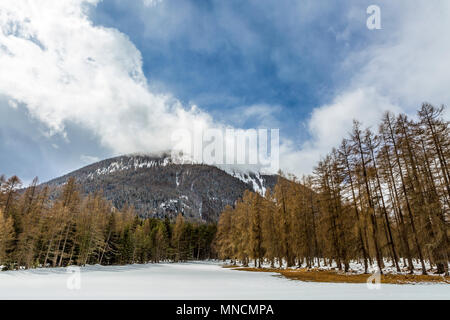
[88,79]
[223,55]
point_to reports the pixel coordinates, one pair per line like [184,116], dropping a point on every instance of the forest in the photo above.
[378,198]
[38,231]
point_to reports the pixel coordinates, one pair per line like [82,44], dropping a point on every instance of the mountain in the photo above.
[160,186]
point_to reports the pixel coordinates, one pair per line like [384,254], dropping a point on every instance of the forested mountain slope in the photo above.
[159,186]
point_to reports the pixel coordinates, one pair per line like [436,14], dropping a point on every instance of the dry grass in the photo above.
[335,276]
[229,266]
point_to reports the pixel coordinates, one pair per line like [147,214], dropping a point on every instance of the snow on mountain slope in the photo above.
[139,161]
[254,179]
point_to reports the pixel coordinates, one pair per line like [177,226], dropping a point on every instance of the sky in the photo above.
[84,80]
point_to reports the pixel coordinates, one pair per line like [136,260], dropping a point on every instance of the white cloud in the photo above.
[408,67]
[330,123]
[12,104]
[412,64]
[151,3]
[264,115]
[88,159]
[54,61]
[65,69]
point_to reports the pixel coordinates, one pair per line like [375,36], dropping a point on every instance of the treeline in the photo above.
[36,231]
[378,196]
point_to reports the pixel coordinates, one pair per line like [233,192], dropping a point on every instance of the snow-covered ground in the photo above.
[196,280]
[356,267]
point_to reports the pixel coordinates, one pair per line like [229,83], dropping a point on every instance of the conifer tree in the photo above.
[6,237]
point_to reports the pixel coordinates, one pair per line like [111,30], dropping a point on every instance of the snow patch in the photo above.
[252,178]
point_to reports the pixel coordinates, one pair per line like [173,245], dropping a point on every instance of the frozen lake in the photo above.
[197,280]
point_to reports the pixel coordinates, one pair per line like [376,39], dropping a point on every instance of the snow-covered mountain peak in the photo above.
[165,185]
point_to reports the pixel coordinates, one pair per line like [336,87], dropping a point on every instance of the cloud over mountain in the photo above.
[66,72]
[64,69]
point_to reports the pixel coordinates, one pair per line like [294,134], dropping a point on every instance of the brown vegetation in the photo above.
[37,230]
[334,276]
[377,197]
